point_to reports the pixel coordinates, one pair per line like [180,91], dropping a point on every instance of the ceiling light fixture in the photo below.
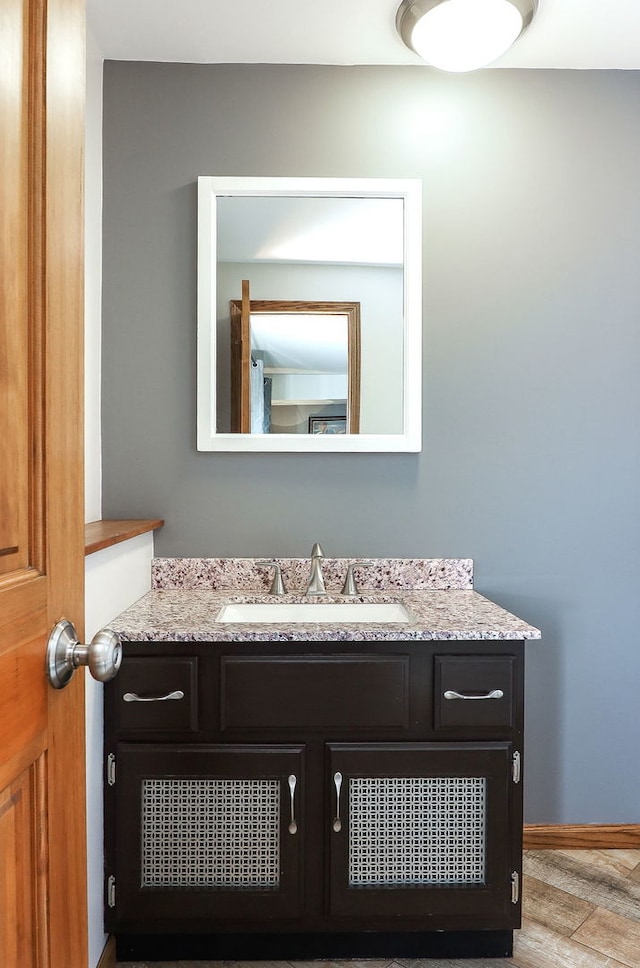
[462,35]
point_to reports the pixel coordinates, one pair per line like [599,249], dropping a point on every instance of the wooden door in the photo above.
[42,802]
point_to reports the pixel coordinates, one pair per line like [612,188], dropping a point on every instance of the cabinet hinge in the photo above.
[515,767]
[515,887]
[111,891]
[111,769]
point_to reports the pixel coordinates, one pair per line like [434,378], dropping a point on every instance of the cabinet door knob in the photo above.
[493,694]
[337,823]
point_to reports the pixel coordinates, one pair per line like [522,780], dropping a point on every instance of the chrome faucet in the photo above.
[350,589]
[316,580]
[277,585]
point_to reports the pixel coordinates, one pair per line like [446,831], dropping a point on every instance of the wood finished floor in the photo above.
[581,909]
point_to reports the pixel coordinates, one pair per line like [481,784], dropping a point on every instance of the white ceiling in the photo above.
[582,34]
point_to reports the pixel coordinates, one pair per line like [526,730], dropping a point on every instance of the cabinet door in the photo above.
[206,832]
[422,830]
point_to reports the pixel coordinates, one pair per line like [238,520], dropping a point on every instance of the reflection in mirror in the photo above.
[295,366]
[352,245]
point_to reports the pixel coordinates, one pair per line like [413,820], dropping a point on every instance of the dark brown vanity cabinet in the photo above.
[314,800]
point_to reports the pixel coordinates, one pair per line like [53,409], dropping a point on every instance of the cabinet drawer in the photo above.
[312,692]
[157,693]
[487,684]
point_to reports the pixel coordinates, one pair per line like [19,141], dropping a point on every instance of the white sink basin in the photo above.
[287,613]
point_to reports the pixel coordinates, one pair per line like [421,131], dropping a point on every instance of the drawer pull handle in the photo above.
[134,697]
[337,823]
[493,694]
[293,826]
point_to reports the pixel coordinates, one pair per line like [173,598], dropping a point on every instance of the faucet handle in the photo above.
[350,588]
[277,585]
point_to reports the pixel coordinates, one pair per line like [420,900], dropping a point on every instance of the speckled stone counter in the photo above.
[384,574]
[187,594]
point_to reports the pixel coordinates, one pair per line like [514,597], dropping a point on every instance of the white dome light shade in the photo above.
[462,35]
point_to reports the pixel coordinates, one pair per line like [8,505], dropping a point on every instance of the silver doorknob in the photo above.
[65,654]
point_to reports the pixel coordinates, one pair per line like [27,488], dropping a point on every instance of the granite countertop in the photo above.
[188,593]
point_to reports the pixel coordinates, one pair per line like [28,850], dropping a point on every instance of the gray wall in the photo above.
[531,453]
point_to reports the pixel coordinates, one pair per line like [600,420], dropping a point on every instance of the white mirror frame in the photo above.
[410,190]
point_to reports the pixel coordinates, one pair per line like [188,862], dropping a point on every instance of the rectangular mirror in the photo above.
[295,380]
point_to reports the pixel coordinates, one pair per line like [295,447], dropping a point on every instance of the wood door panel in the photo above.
[23,698]
[24,608]
[22,886]
[13,302]
[42,830]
